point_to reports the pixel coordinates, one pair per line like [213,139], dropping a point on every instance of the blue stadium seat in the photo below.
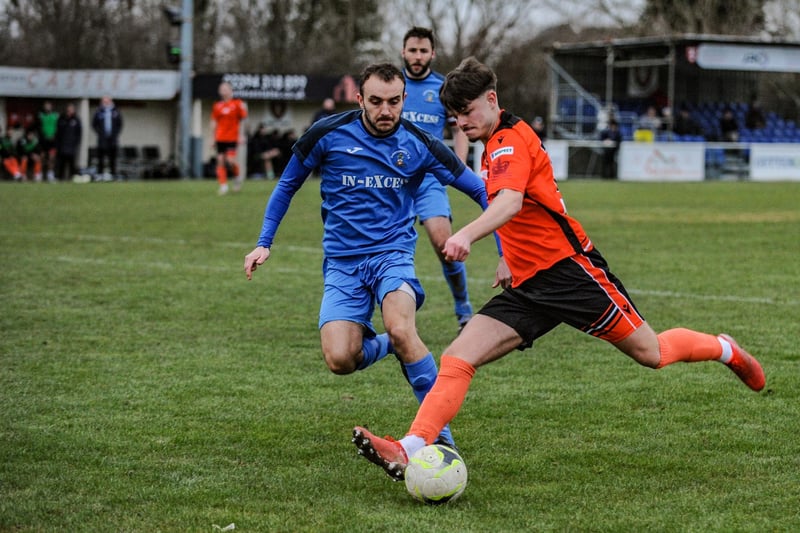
[627,131]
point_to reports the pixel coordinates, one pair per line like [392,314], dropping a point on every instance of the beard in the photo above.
[384,126]
[418,70]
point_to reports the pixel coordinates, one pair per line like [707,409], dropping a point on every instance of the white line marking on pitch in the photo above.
[318,251]
[233,269]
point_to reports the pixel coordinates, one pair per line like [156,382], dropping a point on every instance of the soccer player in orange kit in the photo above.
[557,275]
[227,117]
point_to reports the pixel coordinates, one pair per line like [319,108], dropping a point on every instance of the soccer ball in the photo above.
[436,474]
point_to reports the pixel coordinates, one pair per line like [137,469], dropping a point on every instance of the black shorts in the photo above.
[226,148]
[47,145]
[579,291]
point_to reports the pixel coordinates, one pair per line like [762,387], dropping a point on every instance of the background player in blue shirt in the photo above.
[424,109]
[371,163]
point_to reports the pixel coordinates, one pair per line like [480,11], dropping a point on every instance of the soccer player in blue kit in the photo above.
[371,162]
[425,110]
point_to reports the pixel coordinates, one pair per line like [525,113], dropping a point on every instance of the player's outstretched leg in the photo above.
[685,345]
[744,365]
[384,452]
[421,375]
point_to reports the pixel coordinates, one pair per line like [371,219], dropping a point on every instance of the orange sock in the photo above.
[443,400]
[681,344]
[222,175]
[235,170]
[11,165]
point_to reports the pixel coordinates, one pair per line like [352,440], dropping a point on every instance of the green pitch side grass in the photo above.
[145,385]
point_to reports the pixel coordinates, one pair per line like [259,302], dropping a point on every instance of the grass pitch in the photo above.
[145,385]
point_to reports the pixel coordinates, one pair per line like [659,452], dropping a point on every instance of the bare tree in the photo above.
[339,36]
[480,28]
[743,17]
[293,36]
[512,37]
[783,18]
[80,33]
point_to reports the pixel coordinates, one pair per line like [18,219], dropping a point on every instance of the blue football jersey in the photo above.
[368,182]
[422,105]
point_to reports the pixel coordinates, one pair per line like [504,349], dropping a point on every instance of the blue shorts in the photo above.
[431,199]
[354,285]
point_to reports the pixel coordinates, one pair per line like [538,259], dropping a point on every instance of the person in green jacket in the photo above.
[47,128]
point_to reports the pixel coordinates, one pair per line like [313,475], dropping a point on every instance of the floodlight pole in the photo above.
[187,12]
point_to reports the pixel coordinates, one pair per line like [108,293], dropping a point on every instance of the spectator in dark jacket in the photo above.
[728,127]
[68,142]
[107,123]
[611,137]
[685,124]
[754,119]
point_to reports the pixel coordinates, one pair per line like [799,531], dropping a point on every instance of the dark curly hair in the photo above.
[467,82]
[384,71]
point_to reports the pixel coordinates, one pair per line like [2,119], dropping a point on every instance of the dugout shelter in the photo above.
[148,101]
[591,80]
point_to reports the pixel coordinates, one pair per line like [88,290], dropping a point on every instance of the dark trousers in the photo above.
[110,152]
[609,164]
[65,166]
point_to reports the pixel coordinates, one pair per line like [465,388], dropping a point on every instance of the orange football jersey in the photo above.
[228,116]
[542,233]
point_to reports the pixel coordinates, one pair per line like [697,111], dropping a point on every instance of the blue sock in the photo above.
[455,274]
[375,349]
[421,376]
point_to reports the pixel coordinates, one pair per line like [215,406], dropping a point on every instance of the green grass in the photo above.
[145,385]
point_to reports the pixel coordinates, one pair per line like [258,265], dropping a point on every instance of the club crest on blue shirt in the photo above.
[429,96]
[400,157]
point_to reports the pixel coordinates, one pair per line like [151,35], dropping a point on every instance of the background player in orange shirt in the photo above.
[227,117]
[557,275]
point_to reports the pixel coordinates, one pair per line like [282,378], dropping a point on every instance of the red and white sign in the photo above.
[120,84]
[661,161]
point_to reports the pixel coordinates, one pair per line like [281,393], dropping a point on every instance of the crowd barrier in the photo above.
[679,161]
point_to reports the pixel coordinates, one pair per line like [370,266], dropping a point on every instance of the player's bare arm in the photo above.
[460,144]
[502,275]
[255,258]
[505,205]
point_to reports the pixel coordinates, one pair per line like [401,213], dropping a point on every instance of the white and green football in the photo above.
[436,474]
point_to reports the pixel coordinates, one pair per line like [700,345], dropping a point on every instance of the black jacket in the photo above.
[98,125]
[68,134]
